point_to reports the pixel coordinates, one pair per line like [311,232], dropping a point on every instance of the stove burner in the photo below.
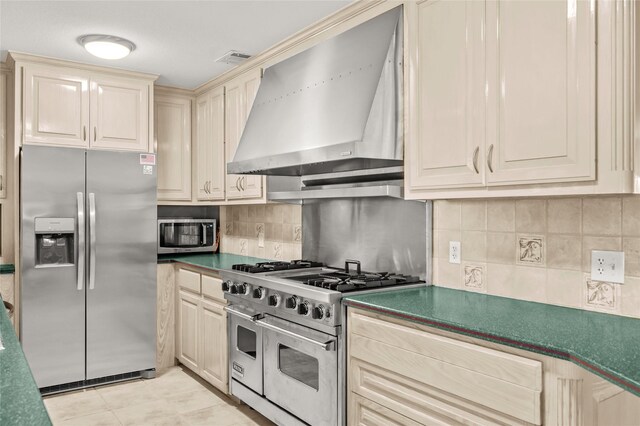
[344,282]
[276,266]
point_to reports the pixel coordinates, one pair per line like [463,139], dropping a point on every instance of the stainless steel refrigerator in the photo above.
[88,264]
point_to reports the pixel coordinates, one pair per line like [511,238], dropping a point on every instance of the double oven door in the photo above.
[293,366]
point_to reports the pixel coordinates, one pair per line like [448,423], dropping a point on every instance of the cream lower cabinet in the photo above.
[404,373]
[239,97]
[201,326]
[66,104]
[209,160]
[172,122]
[3,131]
[503,93]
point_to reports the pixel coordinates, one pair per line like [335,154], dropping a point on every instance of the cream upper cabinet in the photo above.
[240,94]
[450,96]
[172,130]
[69,104]
[119,114]
[56,106]
[541,91]
[501,93]
[209,149]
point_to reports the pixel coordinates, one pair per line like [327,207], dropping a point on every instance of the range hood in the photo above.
[336,107]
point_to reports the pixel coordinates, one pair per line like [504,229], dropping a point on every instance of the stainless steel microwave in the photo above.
[186,235]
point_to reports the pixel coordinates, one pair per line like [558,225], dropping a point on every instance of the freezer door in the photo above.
[52,314]
[121,288]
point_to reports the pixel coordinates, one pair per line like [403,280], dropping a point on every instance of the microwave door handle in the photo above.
[204,235]
[81,246]
[327,346]
[92,240]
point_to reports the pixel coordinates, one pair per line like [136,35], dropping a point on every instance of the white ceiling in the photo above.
[180,40]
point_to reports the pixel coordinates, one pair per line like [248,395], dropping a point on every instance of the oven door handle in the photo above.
[327,346]
[241,314]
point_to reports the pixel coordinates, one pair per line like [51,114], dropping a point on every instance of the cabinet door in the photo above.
[172,124]
[541,91]
[210,145]
[234,111]
[450,101]
[214,344]
[56,106]
[363,412]
[251,185]
[218,164]
[239,98]
[3,135]
[188,330]
[119,114]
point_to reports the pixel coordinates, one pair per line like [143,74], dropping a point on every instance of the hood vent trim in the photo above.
[335,107]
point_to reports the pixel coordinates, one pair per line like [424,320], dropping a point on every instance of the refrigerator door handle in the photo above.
[92,240]
[81,241]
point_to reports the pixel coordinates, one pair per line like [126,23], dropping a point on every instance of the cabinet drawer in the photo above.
[212,287]
[188,280]
[496,380]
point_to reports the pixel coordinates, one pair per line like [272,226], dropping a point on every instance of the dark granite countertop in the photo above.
[607,345]
[211,261]
[7,268]
[20,400]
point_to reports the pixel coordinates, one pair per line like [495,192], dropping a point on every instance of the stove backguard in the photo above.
[385,234]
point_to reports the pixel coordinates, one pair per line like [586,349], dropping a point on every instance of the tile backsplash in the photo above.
[540,249]
[277,227]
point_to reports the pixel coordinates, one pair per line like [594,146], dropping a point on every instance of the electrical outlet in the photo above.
[454,251]
[607,266]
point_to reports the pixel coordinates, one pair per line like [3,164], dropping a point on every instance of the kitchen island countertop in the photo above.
[20,400]
[212,261]
[607,345]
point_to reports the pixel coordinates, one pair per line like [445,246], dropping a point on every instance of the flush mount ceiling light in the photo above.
[106,46]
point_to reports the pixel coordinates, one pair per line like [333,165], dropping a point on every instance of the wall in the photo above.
[540,249]
[279,224]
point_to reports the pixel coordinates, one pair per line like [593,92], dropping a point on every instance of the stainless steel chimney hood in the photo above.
[335,107]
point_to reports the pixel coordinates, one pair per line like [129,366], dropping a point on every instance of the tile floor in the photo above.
[175,397]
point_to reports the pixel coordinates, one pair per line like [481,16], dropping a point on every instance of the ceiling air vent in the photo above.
[233,57]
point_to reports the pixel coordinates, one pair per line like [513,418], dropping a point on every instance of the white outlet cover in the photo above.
[607,266]
[454,251]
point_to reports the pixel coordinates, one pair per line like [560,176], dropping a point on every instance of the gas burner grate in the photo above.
[276,266]
[344,282]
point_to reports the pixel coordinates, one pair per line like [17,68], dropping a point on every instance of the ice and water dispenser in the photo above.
[55,241]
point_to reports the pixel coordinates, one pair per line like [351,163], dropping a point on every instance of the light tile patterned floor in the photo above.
[176,397]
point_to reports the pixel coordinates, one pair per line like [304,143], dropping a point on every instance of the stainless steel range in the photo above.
[286,348]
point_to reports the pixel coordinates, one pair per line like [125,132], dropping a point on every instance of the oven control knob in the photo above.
[291,302]
[233,289]
[242,288]
[274,300]
[226,285]
[318,312]
[303,308]
[258,293]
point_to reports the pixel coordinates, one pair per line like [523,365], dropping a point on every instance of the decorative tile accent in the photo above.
[530,250]
[228,229]
[474,277]
[277,251]
[259,229]
[297,233]
[244,247]
[601,295]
